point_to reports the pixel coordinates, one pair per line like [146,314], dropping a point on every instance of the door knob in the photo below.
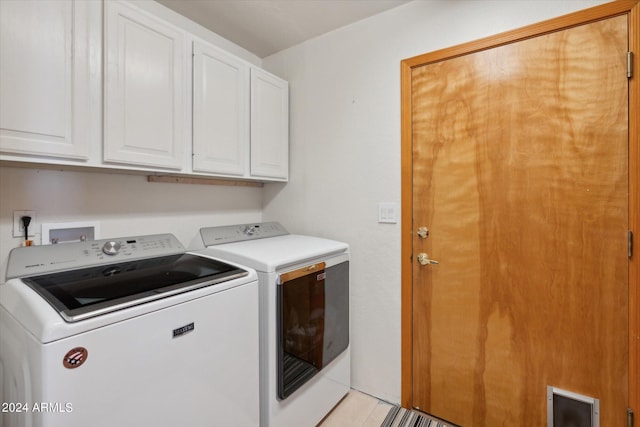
[423,259]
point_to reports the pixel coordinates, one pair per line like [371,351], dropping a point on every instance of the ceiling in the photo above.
[264,27]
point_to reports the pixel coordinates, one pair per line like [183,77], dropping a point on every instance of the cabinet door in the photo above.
[220,112]
[269,126]
[49,77]
[144,88]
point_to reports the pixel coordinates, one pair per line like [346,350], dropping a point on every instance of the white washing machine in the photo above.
[127,332]
[304,318]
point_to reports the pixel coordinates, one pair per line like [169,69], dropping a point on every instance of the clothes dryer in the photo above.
[304,317]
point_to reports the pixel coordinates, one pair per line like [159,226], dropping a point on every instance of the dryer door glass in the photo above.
[313,322]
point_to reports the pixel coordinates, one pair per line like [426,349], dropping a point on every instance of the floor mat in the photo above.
[400,417]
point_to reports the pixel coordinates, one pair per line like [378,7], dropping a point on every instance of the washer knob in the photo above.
[111,248]
[250,230]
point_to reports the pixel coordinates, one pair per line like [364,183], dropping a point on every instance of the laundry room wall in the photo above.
[345,150]
[124,205]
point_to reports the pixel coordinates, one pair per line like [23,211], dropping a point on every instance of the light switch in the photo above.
[388,213]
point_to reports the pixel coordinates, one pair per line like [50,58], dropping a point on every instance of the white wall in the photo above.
[345,150]
[125,205]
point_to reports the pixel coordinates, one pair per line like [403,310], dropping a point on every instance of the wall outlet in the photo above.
[18,227]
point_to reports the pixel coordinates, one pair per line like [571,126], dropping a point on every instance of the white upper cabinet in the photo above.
[144,88]
[50,61]
[125,85]
[269,126]
[220,112]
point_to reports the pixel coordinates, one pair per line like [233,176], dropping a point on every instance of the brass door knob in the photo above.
[423,232]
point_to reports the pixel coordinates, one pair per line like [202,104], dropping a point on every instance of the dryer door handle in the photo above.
[300,272]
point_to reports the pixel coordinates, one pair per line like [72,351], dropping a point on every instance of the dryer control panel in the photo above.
[241,232]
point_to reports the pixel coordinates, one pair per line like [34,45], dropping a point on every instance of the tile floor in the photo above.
[357,410]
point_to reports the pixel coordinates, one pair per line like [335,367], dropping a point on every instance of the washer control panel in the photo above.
[33,260]
[238,233]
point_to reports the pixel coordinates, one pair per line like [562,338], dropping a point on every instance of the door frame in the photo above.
[615,8]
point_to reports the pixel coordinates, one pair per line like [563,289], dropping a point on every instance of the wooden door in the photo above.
[520,172]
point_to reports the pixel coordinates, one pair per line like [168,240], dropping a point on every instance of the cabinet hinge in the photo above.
[629,65]
[630,243]
[629,417]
